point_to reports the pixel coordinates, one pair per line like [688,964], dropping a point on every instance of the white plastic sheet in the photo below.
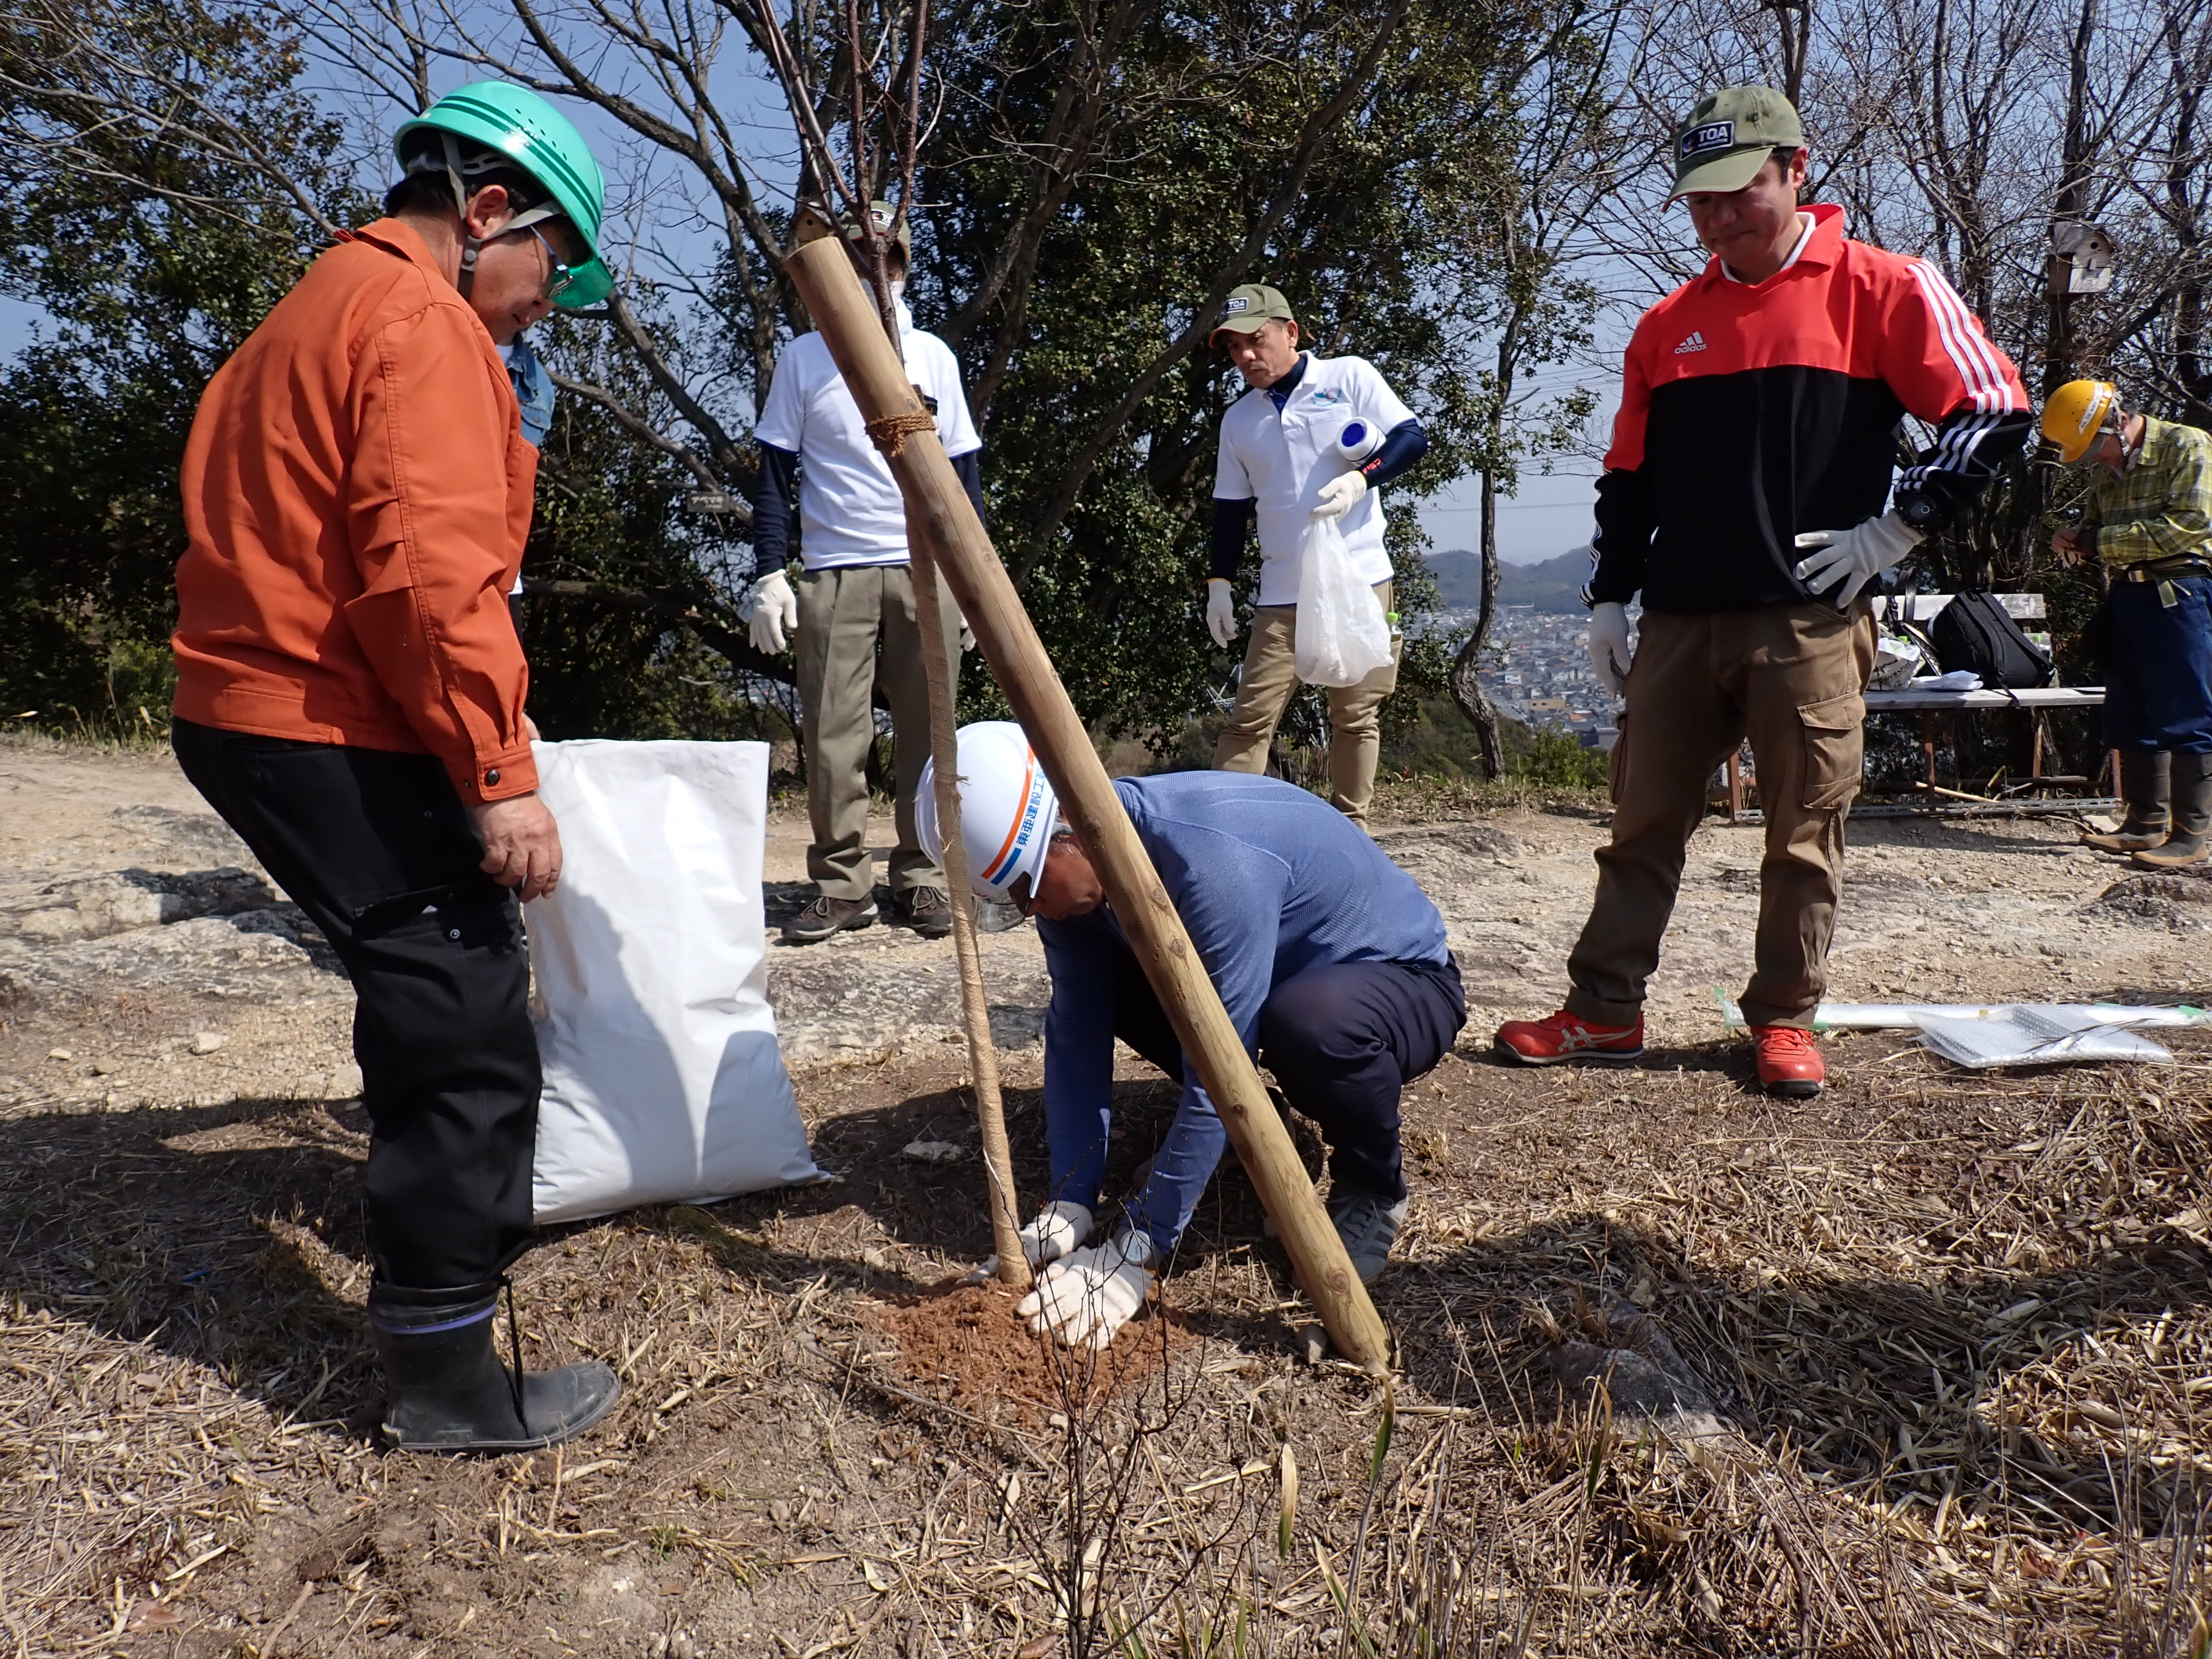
[2033,1034]
[663,1079]
[1907,1015]
[1342,634]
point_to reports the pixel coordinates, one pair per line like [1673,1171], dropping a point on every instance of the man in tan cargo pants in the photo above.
[853,610]
[1751,496]
[1314,438]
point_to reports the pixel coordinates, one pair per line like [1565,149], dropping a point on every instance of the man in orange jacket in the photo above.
[356,491]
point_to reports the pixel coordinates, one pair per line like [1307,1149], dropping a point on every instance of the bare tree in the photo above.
[1525,244]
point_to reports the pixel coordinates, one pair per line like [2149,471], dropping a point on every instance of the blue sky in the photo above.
[1550,515]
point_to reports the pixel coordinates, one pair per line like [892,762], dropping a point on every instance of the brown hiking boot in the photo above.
[2145,785]
[927,910]
[2191,840]
[826,915]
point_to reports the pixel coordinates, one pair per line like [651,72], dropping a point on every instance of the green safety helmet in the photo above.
[525,132]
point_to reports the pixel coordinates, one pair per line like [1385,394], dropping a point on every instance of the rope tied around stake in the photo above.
[887,433]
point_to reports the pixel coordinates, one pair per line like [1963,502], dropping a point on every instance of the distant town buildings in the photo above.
[1537,669]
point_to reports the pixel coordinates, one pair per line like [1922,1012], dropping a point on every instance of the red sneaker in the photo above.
[1789,1061]
[1566,1036]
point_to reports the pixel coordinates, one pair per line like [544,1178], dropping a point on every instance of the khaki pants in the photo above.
[1789,677]
[1265,689]
[843,615]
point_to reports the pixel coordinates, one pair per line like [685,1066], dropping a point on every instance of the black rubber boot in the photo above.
[445,1389]
[2192,840]
[2145,776]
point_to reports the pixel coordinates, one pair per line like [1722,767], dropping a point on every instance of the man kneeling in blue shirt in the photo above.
[1331,963]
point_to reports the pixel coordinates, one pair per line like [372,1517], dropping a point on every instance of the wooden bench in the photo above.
[1930,704]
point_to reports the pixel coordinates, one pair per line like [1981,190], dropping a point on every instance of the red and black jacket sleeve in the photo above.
[1628,509]
[1944,370]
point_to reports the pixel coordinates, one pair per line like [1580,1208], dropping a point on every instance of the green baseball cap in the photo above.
[1249,307]
[1729,136]
[881,216]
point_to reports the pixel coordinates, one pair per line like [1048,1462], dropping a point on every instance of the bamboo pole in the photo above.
[939,652]
[940,518]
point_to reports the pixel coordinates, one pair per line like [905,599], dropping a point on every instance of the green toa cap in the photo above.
[1729,138]
[881,217]
[1249,307]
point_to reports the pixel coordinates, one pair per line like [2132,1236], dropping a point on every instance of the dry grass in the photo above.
[1423,799]
[1952,1335]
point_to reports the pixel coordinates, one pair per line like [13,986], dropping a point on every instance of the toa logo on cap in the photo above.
[1713,135]
[1237,302]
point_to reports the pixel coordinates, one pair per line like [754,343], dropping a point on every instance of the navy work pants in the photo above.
[2158,666]
[379,851]
[1342,1042]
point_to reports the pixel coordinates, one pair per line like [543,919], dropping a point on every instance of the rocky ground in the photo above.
[1929,1284]
[119,888]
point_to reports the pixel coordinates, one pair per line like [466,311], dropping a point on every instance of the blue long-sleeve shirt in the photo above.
[1270,882]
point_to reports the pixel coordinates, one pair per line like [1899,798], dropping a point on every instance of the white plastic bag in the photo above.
[663,1080]
[1342,634]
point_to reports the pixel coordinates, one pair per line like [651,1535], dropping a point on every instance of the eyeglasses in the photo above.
[560,277]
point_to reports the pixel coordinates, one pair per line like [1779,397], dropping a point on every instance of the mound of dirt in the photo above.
[963,1344]
[2179,899]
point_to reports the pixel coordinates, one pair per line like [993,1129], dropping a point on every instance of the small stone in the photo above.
[1057,1421]
[933,1151]
[60,1053]
[106,1068]
[779,1511]
[206,1042]
[876,1259]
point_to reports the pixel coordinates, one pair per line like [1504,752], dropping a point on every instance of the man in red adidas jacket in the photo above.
[1749,496]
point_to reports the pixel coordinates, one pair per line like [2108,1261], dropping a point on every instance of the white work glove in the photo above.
[1087,1296]
[772,608]
[1220,611]
[1059,1228]
[1855,557]
[1340,494]
[1608,645]
[967,637]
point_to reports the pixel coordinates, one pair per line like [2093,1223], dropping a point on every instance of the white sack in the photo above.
[1342,634]
[663,1080]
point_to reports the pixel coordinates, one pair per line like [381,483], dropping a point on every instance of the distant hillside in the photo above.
[1554,585]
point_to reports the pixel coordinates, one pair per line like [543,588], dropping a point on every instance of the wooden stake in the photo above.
[940,518]
[939,654]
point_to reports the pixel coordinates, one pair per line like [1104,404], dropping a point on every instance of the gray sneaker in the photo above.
[1367,1223]
[826,915]
[995,916]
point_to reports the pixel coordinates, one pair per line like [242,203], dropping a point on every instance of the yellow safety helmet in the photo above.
[2074,414]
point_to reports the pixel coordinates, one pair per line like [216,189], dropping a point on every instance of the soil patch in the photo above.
[964,1344]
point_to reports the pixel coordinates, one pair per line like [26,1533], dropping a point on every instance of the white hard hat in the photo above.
[1007,810]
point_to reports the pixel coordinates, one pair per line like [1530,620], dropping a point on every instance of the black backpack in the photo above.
[1976,632]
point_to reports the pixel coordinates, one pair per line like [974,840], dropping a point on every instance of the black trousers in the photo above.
[1343,1042]
[376,848]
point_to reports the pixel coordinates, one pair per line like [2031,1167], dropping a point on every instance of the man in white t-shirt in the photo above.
[1281,463]
[854,610]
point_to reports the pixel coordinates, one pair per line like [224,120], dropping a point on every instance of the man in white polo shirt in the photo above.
[855,598]
[1281,462]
